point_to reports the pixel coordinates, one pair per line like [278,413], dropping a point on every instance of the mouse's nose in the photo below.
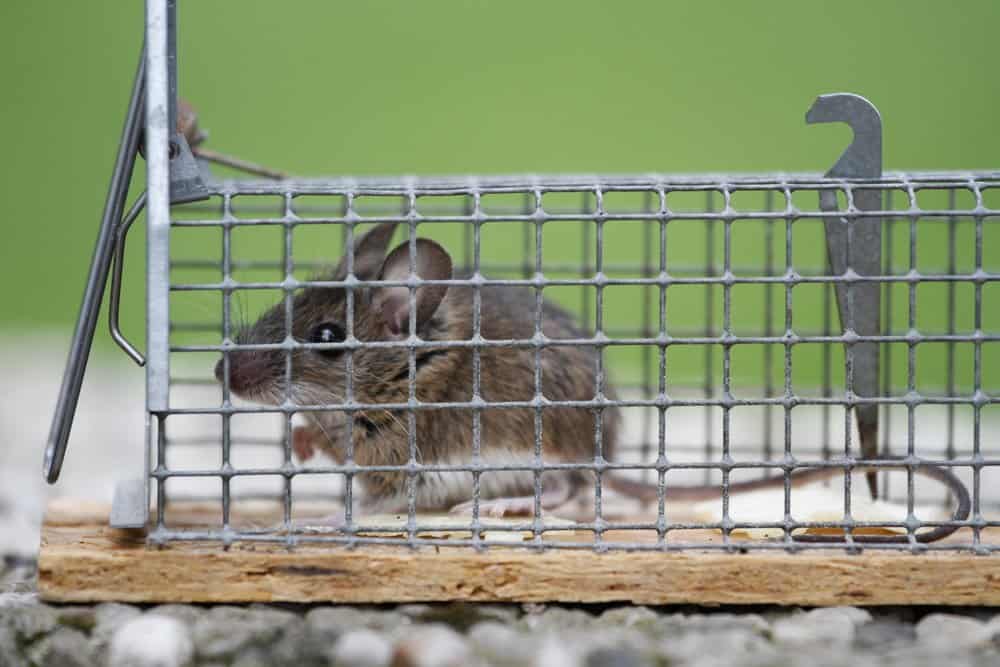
[246,370]
[236,375]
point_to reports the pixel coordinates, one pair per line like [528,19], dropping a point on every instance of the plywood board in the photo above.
[82,560]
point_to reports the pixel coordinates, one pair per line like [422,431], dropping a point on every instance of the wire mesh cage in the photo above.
[643,363]
[692,369]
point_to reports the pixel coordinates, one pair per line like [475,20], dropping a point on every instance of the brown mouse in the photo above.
[381,375]
[442,375]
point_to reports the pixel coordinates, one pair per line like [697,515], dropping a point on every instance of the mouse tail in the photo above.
[648,493]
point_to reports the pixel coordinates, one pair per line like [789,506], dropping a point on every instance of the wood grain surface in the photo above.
[83,560]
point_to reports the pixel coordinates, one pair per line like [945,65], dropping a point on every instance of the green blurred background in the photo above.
[324,88]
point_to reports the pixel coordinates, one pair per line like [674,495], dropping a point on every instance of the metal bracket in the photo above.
[187,183]
[118,265]
[129,508]
[855,250]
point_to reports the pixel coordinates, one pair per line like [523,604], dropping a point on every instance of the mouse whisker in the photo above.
[398,421]
[381,428]
[325,432]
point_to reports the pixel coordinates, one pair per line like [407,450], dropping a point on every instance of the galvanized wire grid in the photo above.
[778,205]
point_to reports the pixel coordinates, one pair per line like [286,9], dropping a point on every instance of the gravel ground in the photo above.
[33,633]
[107,441]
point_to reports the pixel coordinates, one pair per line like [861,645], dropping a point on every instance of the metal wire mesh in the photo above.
[709,306]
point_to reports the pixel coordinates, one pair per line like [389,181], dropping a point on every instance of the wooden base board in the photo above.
[83,560]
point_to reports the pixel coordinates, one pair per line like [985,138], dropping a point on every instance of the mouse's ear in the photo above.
[369,252]
[393,302]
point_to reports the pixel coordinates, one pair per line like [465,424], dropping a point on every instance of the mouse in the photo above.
[383,314]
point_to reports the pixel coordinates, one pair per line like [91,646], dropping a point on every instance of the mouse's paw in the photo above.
[331,523]
[499,508]
[304,441]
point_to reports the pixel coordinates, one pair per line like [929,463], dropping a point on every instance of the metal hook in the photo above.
[118,265]
[863,157]
[856,247]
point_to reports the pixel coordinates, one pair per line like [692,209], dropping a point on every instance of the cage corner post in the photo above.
[131,505]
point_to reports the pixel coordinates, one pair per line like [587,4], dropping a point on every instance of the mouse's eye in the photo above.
[327,332]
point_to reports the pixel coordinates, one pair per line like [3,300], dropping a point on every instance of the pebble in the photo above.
[555,652]
[294,646]
[25,616]
[361,648]
[883,634]
[994,627]
[718,648]
[335,620]
[186,613]
[724,622]
[827,626]
[113,613]
[18,575]
[225,630]
[500,644]
[559,620]
[254,657]
[65,647]
[10,655]
[617,657]
[434,645]
[151,641]
[16,599]
[81,618]
[951,631]
[331,622]
[857,615]
[109,617]
[643,619]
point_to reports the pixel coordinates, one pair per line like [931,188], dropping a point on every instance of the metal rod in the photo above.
[93,294]
[158,133]
[171,16]
[114,305]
